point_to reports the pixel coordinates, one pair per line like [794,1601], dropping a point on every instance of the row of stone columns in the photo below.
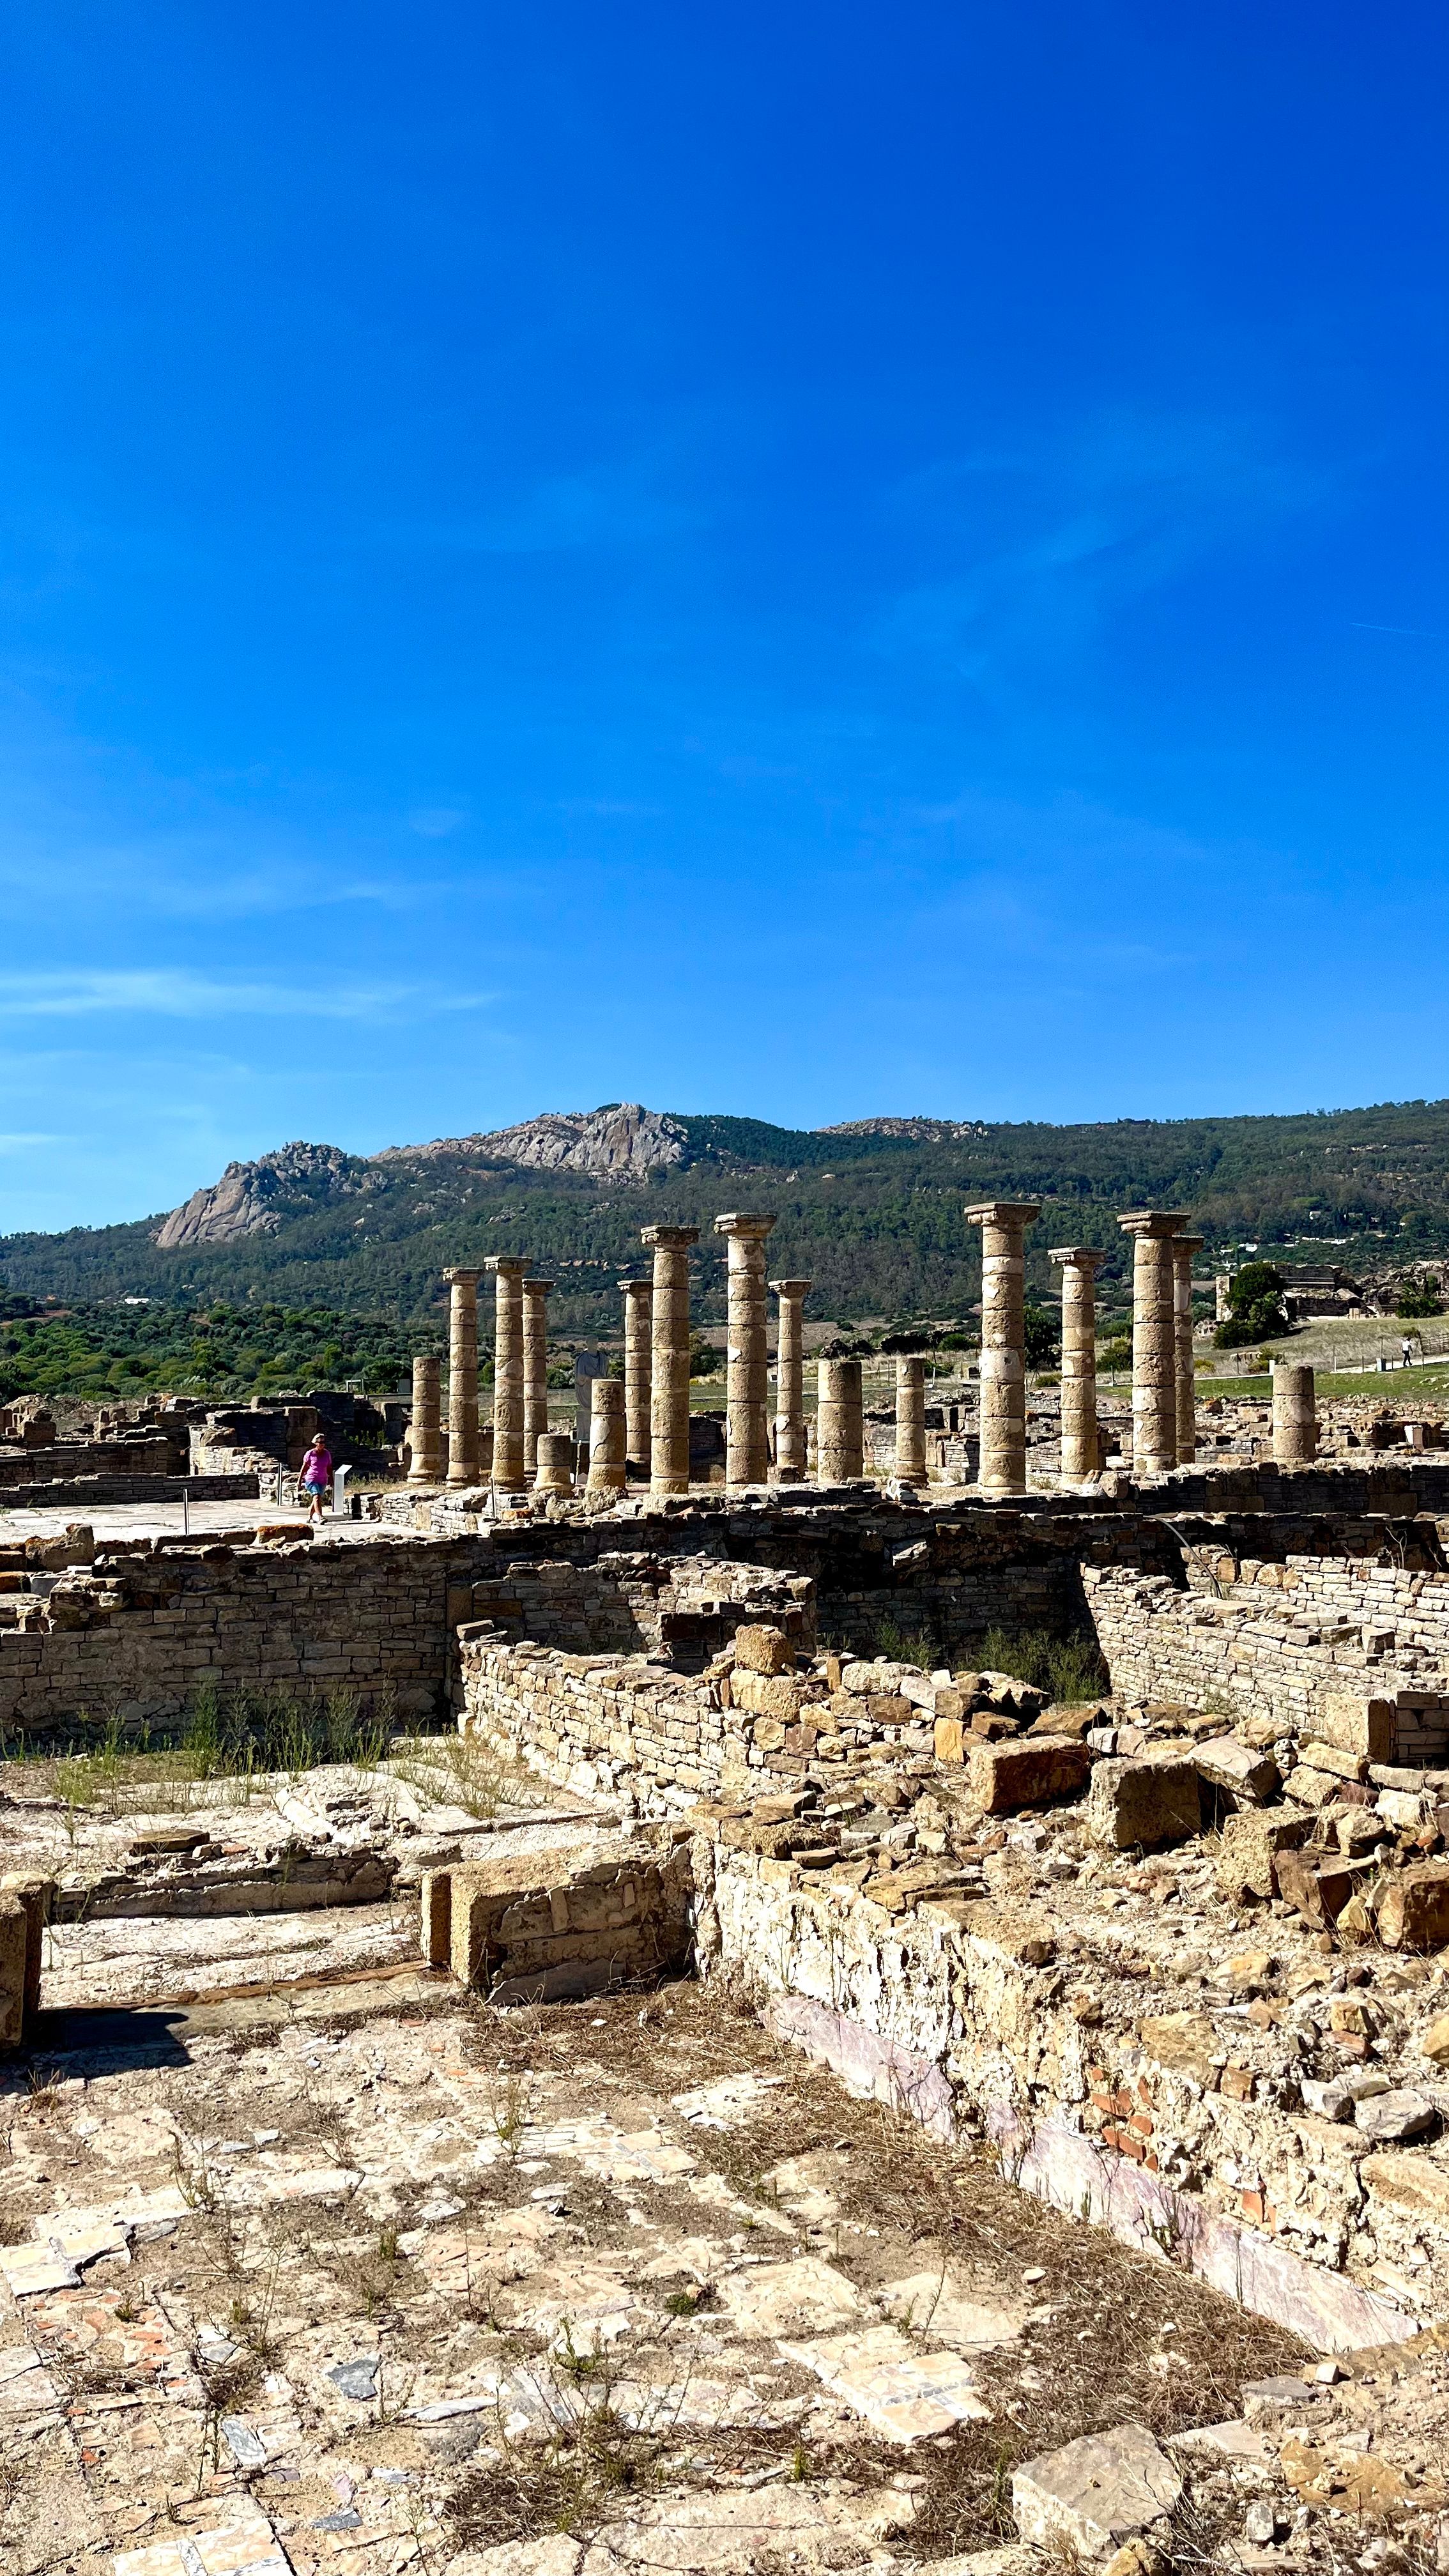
[645,1422]
[1164,1394]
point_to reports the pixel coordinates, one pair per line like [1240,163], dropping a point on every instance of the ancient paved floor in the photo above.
[373,2277]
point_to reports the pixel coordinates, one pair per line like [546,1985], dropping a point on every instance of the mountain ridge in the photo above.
[870,1210]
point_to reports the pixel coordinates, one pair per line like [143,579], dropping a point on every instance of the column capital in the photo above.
[1082,1256]
[540,1287]
[637,1287]
[792,1287]
[462,1278]
[1188,1243]
[741,1223]
[507,1265]
[669,1238]
[1022,1212]
[1157,1223]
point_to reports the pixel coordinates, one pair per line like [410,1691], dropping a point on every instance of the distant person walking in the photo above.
[316,1477]
[1407,1348]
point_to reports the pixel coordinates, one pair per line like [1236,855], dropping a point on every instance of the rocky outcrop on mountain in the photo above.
[921,1131]
[254,1198]
[620,1142]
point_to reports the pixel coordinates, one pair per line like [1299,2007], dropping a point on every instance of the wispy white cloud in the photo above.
[437,822]
[176,994]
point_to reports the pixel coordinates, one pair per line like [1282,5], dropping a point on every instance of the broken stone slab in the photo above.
[1310,1788]
[1399,2113]
[1415,2182]
[807,2296]
[1327,2101]
[1232,2440]
[1318,1891]
[244,2546]
[1413,1909]
[1146,1803]
[1357,1725]
[1250,1844]
[1333,1759]
[1225,1762]
[906,2394]
[1029,1772]
[1095,2493]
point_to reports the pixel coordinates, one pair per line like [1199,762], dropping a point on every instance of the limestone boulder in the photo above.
[1251,1842]
[1145,1803]
[765,1694]
[1400,2113]
[1413,1911]
[1251,1776]
[1028,1771]
[1095,2494]
[763,1649]
[1357,1725]
[1319,1890]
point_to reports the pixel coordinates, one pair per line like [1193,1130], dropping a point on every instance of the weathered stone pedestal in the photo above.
[508,1276]
[425,1431]
[669,1400]
[910,1420]
[535,1368]
[1081,1445]
[555,1470]
[747,1378]
[790,1449]
[839,1424]
[638,1369]
[608,1471]
[463,1377]
[1003,1224]
[1154,1338]
[1295,1414]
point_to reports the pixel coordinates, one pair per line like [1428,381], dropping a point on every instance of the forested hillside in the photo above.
[872,1216]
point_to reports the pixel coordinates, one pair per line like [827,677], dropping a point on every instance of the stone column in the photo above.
[555,1463]
[1295,1415]
[747,1377]
[535,1368]
[1154,1339]
[1183,1248]
[839,1424]
[910,1420]
[463,1377]
[508,1276]
[1081,1449]
[790,1458]
[669,1377]
[1003,1224]
[638,1368]
[425,1466]
[608,1469]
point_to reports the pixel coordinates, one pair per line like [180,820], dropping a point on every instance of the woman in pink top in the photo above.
[316,1477]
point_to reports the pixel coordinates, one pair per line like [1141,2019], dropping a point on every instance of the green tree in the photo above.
[1418,1297]
[1043,1336]
[1256,1311]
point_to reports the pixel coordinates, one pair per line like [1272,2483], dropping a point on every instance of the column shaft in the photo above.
[638,1368]
[910,1420]
[1154,1339]
[508,1275]
[608,1468]
[1295,1414]
[839,1424]
[669,1391]
[555,1463]
[1081,1448]
[425,1466]
[790,1455]
[1003,1226]
[747,1378]
[1183,1248]
[463,1377]
[535,1368]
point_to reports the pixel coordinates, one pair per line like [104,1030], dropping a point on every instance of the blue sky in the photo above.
[805,561]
